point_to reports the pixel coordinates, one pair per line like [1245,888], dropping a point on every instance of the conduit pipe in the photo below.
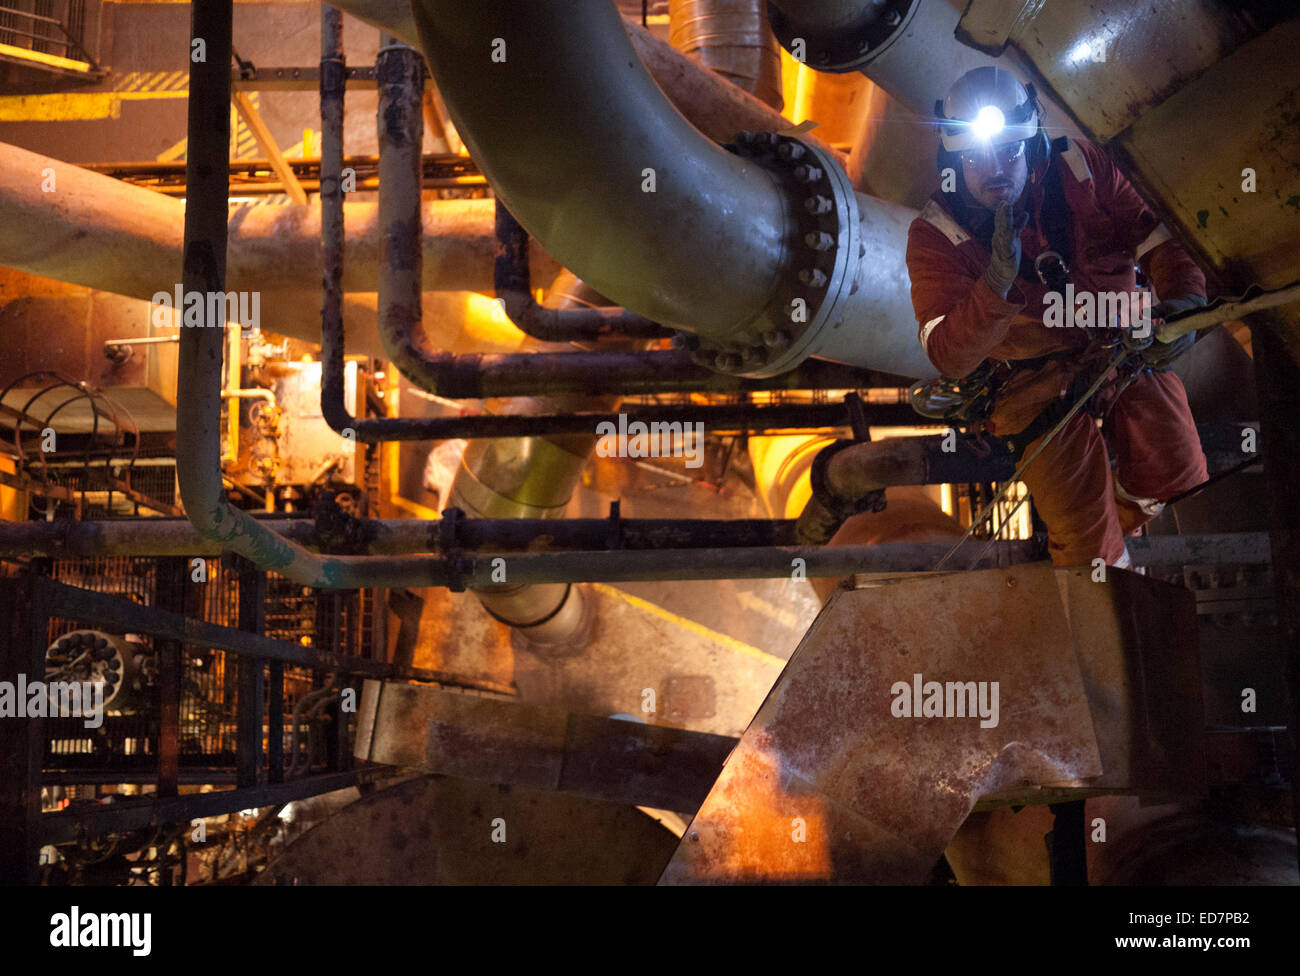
[198,429]
[647,211]
[513,282]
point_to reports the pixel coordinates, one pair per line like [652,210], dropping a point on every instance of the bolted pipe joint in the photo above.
[822,250]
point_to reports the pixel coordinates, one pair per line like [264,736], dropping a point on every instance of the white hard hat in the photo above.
[987,106]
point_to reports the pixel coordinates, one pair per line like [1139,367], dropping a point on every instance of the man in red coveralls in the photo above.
[1012,197]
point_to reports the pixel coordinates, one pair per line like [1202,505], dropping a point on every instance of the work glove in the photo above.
[1004,265]
[1160,355]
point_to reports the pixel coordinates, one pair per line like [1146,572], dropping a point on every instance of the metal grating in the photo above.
[207,720]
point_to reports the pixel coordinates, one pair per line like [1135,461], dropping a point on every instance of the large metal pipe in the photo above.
[101,233]
[616,184]
[657,202]
[616,372]
[713,105]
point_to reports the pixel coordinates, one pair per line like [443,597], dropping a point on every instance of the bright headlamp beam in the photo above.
[988,123]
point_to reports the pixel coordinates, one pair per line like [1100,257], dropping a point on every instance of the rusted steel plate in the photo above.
[835,780]
[538,746]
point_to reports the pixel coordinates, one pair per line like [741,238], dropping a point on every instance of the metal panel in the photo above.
[538,746]
[828,783]
[1111,60]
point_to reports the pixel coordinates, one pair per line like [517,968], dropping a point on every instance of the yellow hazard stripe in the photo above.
[725,640]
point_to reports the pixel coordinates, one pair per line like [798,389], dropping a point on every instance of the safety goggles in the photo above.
[1005,154]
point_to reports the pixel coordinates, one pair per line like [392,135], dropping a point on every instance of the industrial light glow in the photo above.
[988,123]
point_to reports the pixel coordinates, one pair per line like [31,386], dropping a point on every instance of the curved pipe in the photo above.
[863,468]
[588,154]
[625,193]
[513,282]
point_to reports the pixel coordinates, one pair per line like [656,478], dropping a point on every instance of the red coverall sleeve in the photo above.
[1170,269]
[974,319]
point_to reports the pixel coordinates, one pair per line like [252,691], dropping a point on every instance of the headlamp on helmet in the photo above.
[986,107]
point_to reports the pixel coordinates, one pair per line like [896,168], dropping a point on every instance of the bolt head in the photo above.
[805,173]
[819,240]
[776,339]
[818,205]
[813,277]
[790,150]
[725,362]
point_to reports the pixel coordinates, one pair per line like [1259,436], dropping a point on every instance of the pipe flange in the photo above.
[823,242]
[844,49]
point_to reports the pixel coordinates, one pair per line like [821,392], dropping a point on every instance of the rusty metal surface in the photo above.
[440,830]
[538,746]
[877,797]
[690,696]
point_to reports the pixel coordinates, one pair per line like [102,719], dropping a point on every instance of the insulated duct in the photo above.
[531,478]
[101,233]
[731,37]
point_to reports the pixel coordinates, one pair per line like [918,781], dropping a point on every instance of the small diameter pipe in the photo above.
[198,464]
[66,539]
[70,539]
[513,282]
[746,417]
